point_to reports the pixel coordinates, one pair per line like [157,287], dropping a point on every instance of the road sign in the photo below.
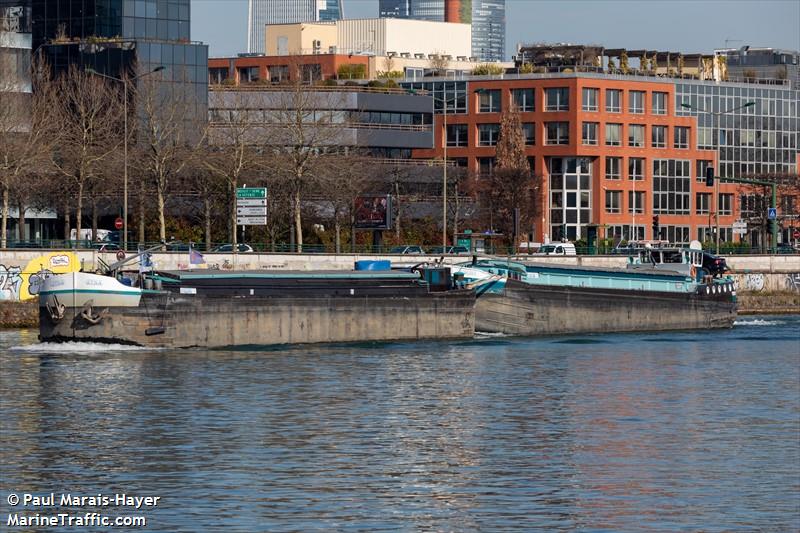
[796,234]
[251,211]
[740,227]
[251,202]
[251,220]
[119,223]
[251,192]
[772,213]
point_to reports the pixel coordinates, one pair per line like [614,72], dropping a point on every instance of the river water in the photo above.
[636,432]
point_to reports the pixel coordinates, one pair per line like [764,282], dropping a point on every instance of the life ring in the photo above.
[120,255]
[693,272]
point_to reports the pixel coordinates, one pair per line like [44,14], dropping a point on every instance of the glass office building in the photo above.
[760,139]
[124,36]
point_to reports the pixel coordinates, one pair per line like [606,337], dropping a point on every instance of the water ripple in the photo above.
[672,431]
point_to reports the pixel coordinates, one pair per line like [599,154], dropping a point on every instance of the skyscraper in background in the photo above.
[263,12]
[488,19]
[489,29]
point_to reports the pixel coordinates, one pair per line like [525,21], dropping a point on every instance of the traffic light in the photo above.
[709,176]
[655,227]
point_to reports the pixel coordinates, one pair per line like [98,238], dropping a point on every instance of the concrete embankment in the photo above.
[19,314]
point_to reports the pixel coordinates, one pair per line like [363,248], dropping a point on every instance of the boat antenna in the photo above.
[114,267]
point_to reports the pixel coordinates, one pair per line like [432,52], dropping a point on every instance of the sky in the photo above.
[664,25]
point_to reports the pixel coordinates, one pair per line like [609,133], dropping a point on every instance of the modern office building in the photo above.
[123,37]
[386,125]
[15,47]
[488,19]
[614,151]
[263,12]
[762,65]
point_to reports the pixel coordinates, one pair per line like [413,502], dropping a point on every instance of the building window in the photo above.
[570,196]
[705,139]
[528,130]
[523,99]
[636,102]
[488,134]
[702,203]
[457,135]
[217,75]
[636,168]
[627,232]
[557,99]
[659,136]
[613,168]
[636,202]
[486,165]
[681,137]
[278,73]
[557,132]
[671,186]
[673,234]
[248,74]
[489,100]
[659,103]
[635,135]
[725,205]
[613,134]
[701,166]
[613,200]
[613,100]
[589,133]
[590,97]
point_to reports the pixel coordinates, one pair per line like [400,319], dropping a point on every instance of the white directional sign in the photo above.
[251,206]
[251,202]
[251,220]
[254,211]
[740,227]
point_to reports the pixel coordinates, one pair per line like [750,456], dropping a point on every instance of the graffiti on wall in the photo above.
[20,284]
[753,282]
[10,282]
[793,281]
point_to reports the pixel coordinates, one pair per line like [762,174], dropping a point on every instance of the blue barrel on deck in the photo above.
[374,265]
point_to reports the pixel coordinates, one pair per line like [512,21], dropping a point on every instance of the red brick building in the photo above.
[610,152]
[275,69]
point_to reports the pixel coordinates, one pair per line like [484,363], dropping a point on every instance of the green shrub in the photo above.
[352,72]
[487,69]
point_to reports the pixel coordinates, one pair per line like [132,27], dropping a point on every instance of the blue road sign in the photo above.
[772,213]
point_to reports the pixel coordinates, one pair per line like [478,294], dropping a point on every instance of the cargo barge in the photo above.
[202,308]
[524,298]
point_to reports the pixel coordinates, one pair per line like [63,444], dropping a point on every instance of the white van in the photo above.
[557,248]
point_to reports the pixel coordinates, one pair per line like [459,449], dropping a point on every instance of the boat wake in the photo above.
[490,335]
[76,347]
[758,322]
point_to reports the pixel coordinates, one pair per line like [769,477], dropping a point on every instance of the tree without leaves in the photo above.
[27,134]
[305,129]
[169,134]
[88,113]
[236,143]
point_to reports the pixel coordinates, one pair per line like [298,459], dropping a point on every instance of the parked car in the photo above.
[714,264]
[106,246]
[439,250]
[228,248]
[407,249]
[559,248]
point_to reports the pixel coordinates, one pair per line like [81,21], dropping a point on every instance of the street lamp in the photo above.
[715,125]
[125,80]
[445,102]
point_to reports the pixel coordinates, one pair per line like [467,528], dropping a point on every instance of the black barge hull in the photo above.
[526,309]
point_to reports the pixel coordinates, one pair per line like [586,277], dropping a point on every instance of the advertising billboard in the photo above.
[373,212]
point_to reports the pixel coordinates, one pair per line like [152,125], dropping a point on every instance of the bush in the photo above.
[487,69]
[351,72]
